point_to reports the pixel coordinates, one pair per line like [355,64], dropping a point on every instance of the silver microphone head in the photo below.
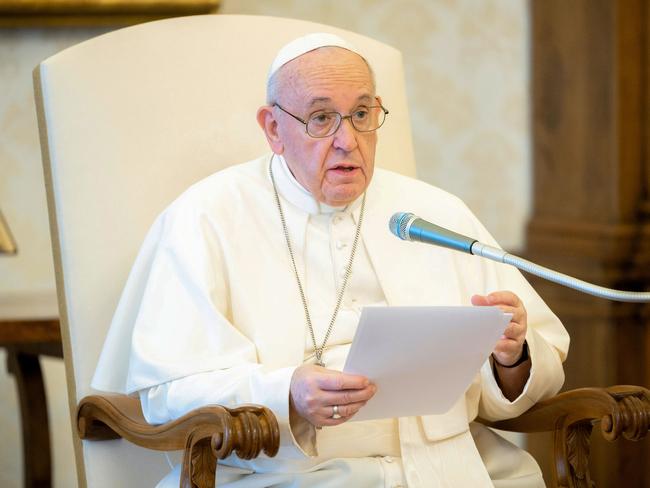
[399,224]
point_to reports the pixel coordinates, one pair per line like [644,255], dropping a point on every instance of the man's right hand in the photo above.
[315,390]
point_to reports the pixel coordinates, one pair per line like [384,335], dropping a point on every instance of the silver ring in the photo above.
[335,412]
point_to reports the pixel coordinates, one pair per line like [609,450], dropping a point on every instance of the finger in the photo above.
[518,313]
[514,331]
[335,380]
[330,422]
[508,346]
[345,397]
[345,416]
[504,298]
[345,411]
[480,300]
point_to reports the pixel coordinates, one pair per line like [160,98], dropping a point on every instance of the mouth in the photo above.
[344,168]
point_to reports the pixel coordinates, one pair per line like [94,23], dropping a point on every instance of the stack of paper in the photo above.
[422,359]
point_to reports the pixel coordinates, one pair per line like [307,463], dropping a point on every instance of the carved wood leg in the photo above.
[36,435]
[572,455]
[199,461]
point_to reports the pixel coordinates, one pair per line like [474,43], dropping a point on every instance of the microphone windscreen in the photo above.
[398,224]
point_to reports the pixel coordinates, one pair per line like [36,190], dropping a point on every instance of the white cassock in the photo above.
[211,315]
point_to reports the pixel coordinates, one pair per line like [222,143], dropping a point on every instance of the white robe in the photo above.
[212,287]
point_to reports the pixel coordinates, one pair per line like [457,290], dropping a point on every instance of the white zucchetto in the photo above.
[304,44]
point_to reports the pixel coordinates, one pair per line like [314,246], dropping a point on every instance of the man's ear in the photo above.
[268,123]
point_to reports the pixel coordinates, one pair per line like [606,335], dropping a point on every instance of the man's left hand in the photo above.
[510,347]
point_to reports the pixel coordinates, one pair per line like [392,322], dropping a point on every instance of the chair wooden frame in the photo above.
[571,416]
[210,433]
[205,434]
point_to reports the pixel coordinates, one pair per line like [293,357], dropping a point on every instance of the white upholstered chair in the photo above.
[129,120]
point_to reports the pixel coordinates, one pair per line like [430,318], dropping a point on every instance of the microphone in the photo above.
[409,227]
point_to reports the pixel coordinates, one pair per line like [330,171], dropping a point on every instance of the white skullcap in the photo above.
[307,43]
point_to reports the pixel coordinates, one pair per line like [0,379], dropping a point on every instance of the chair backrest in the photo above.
[130,119]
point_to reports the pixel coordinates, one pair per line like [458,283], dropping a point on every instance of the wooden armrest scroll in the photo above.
[621,410]
[205,434]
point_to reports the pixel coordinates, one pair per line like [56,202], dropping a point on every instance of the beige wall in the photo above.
[467,77]
[466,64]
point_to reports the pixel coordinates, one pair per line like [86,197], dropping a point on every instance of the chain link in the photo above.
[348,271]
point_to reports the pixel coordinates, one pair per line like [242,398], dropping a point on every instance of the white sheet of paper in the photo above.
[422,359]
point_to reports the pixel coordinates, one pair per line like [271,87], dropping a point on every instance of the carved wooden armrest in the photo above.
[571,415]
[205,434]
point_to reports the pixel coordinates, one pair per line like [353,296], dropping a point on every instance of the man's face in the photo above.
[338,168]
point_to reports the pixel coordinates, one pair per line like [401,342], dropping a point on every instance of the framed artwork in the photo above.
[7,244]
[57,13]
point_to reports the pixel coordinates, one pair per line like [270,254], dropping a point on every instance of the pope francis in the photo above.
[222,312]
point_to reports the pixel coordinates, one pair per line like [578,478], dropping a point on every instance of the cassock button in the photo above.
[337,219]
[388,459]
[341,245]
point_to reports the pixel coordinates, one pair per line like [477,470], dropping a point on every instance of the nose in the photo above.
[345,138]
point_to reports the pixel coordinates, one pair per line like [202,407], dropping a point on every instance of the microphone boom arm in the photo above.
[501,256]
[408,227]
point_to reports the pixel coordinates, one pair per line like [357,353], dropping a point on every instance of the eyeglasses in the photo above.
[324,124]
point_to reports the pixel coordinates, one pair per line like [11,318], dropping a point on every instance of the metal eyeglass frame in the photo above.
[341,119]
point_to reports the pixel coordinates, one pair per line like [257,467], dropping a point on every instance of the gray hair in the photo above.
[274,83]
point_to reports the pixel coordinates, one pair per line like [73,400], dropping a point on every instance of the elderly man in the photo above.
[248,289]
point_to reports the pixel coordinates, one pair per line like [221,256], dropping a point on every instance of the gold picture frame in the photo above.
[7,243]
[65,13]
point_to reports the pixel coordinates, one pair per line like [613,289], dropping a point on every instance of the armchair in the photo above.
[130,119]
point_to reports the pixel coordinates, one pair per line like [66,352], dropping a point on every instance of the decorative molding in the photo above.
[617,246]
[201,462]
[7,243]
[205,434]
[577,439]
[67,13]
[621,411]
